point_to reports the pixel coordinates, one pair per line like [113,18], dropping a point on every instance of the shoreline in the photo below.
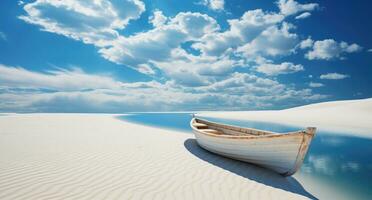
[352,117]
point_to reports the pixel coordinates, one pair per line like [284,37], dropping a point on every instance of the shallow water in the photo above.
[174,121]
[344,162]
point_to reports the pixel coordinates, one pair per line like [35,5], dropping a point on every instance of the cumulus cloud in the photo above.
[308,43]
[291,7]
[60,90]
[241,31]
[329,49]
[276,69]
[202,74]
[93,22]
[195,70]
[255,34]
[241,83]
[315,85]
[333,76]
[157,44]
[161,47]
[273,41]
[159,50]
[158,18]
[241,86]
[214,4]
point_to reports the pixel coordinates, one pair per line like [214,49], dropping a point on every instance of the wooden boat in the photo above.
[282,153]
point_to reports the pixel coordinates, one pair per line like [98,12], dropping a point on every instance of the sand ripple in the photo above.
[60,156]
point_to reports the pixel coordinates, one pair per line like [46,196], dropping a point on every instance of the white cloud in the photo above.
[334,76]
[146,69]
[93,22]
[3,36]
[329,49]
[273,41]
[291,7]
[308,43]
[244,83]
[161,48]
[59,79]
[277,69]
[369,50]
[203,74]
[195,25]
[246,88]
[240,32]
[77,91]
[150,97]
[303,15]
[254,35]
[158,18]
[195,70]
[157,44]
[217,5]
[315,85]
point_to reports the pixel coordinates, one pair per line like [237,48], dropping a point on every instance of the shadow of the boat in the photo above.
[248,171]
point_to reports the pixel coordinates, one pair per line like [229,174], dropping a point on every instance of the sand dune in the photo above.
[92,156]
[345,117]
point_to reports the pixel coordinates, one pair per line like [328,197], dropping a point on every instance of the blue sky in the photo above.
[142,55]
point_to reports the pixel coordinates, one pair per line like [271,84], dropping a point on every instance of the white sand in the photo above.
[93,156]
[346,117]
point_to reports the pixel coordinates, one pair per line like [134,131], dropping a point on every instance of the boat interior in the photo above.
[221,129]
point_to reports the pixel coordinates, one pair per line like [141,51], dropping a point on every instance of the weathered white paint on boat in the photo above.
[283,153]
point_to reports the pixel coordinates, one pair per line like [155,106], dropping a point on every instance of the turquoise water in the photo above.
[174,121]
[181,122]
[345,162]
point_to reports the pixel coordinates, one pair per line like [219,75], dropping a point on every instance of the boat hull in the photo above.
[283,154]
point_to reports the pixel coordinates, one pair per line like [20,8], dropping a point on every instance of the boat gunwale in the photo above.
[306,137]
[269,134]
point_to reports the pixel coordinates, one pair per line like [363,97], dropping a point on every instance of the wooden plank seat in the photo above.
[212,131]
[200,125]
